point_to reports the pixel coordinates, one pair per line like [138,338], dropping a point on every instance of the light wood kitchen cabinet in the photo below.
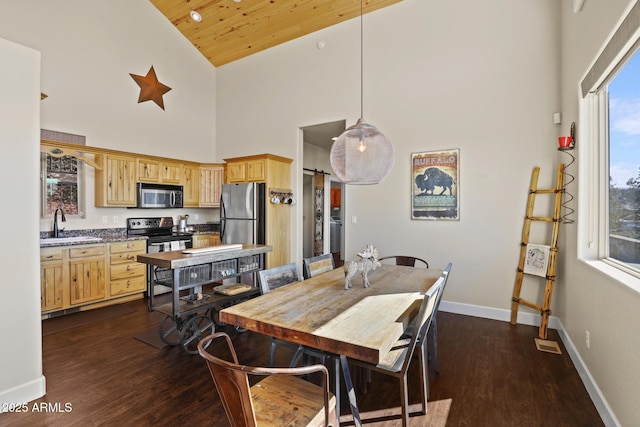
[191,185]
[211,179]
[91,275]
[52,279]
[156,171]
[126,275]
[86,274]
[204,240]
[275,172]
[246,170]
[115,181]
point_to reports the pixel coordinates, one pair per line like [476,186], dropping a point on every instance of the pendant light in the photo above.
[362,154]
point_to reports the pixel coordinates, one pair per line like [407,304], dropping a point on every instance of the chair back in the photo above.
[422,320]
[408,261]
[445,275]
[231,382]
[317,265]
[278,276]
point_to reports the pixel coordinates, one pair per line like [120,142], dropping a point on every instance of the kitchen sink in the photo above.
[74,239]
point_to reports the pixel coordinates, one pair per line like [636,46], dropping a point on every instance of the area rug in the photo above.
[437,414]
[73,320]
[151,337]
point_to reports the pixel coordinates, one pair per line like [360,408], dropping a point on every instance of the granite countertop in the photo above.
[107,235]
[92,236]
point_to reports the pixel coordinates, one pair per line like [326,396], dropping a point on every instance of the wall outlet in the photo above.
[587,339]
[196,217]
[105,219]
[354,219]
[116,219]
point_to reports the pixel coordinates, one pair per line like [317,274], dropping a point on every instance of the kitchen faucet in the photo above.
[56,232]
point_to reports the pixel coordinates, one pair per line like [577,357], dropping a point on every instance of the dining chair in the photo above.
[317,265]
[408,261]
[396,362]
[432,333]
[274,278]
[281,398]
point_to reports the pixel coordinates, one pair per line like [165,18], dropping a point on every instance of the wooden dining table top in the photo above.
[360,323]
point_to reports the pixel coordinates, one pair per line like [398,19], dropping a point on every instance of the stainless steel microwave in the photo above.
[159,196]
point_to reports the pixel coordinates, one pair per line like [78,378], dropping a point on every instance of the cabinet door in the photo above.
[51,285]
[171,173]
[121,181]
[211,178]
[87,280]
[148,170]
[191,184]
[255,170]
[236,172]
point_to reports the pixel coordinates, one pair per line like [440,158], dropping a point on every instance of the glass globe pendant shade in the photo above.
[362,155]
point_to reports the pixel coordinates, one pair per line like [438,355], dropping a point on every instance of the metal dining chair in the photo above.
[274,278]
[317,265]
[396,362]
[408,261]
[433,330]
[280,399]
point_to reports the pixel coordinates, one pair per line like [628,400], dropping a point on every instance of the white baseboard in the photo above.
[23,393]
[533,319]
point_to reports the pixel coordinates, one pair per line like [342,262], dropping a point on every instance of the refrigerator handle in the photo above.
[223,219]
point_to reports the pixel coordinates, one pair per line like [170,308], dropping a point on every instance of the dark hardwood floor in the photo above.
[98,374]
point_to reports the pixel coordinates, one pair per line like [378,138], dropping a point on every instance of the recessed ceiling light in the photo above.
[195,16]
[237,1]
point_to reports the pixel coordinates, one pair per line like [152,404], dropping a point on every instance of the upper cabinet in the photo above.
[191,185]
[115,180]
[165,172]
[118,172]
[211,179]
[246,170]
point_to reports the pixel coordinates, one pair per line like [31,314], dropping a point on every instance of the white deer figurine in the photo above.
[368,262]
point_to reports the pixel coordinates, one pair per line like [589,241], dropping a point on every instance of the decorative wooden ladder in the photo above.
[550,276]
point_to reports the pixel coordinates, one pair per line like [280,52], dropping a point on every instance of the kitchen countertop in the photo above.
[106,239]
[176,259]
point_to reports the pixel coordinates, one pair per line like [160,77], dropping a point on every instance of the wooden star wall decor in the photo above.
[150,88]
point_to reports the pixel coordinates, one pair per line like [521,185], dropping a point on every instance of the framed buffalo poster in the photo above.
[434,185]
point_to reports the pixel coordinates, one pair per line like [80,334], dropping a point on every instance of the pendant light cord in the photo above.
[361,63]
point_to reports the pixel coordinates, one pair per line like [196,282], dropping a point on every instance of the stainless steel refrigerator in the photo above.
[242,210]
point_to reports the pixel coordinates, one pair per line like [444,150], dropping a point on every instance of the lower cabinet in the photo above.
[78,276]
[86,274]
[52,279]
[126,274]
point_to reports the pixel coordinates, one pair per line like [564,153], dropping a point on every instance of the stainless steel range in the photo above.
[161,237]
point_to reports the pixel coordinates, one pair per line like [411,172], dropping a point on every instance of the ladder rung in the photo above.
[545,191]
[541,218]
[529,304]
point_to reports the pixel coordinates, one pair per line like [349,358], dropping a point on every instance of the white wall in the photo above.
[585,298]
[21,377]
[89,48]
[485,81]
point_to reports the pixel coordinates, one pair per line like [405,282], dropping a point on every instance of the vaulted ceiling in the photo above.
[232,29]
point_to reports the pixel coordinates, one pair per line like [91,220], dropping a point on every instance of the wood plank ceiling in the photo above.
[232,29]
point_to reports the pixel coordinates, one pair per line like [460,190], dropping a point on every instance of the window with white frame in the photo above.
[610,159]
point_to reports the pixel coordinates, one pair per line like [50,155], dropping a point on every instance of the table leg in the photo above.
[351,393]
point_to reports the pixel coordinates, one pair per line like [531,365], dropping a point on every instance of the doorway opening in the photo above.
[323,194]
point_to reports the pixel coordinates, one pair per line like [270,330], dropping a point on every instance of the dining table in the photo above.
[359,322]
